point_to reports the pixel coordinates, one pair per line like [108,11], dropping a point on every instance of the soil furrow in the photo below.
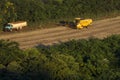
[67,36]
[100,35]
[25,34]
[51,36]
[57,33]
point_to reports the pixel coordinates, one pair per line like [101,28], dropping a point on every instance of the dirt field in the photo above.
[99,29]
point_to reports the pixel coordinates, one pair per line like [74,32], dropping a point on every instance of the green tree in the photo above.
[9,51]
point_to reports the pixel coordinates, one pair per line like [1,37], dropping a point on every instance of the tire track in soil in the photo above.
[57,33]
[66,33]
[100,29]
[74,36]
[20,35]
[100,35]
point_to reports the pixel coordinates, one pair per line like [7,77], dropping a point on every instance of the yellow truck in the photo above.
[78,23]
[81,23]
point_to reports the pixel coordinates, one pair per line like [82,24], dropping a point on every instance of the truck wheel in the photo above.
[86,26]
[17,29]
[20,28]
[10,30]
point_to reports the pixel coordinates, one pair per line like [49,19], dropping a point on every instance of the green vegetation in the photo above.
[39,12]
[92,59]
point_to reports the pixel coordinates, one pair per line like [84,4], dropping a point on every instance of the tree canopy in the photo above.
[38,11]
[91,59]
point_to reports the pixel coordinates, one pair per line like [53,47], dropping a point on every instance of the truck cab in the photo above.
[8,27]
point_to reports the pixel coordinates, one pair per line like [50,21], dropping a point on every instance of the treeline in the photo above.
[92,59]
[38,11]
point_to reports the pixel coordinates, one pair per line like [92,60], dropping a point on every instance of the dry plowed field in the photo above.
[99,29]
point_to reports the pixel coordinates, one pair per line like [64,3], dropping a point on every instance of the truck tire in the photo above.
[10,30]
[86,26]
[20,28]
[17,29]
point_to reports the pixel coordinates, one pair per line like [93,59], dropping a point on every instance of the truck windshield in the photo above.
[8,26]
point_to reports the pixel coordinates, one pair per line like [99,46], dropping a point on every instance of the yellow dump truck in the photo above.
[15,25]
[81,23]
[77,23]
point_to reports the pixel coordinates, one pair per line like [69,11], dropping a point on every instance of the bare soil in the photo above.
[99,29]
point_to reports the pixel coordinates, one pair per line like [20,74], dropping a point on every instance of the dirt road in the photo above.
[99,29]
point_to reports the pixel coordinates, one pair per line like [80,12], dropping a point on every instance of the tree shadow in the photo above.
[48,46]
[8,75]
